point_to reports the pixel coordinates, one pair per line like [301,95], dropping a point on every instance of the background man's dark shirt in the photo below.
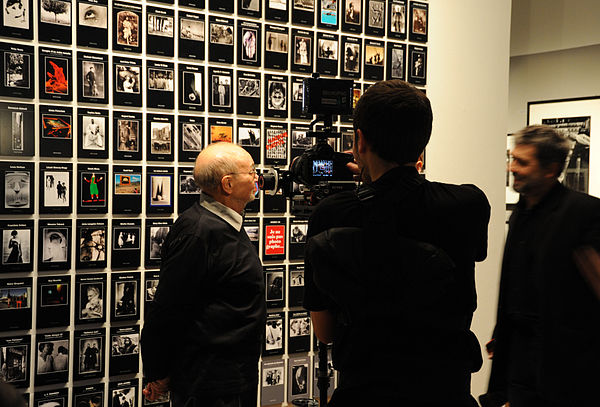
[206,326]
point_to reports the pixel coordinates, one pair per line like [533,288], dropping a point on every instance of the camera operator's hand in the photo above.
[353,167]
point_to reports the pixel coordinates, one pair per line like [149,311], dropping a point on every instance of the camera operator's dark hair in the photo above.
[395,119]
[551,146]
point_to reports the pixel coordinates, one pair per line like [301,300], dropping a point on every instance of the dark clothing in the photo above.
[548,325]
[205,327]
[407,213]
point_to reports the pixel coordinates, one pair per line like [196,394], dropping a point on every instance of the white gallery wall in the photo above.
[468,86]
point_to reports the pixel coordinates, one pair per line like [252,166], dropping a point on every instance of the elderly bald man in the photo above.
[203,332]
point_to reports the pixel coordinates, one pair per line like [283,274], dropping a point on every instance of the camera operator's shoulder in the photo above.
[337,210]
[468,196]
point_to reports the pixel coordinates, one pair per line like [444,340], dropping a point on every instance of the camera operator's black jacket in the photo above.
[395,264]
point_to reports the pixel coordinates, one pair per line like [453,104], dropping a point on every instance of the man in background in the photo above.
[399,253]
[204,331]
[547,333]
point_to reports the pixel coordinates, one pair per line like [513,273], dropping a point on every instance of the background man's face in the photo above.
[529,176]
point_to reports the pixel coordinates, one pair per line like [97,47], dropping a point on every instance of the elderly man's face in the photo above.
[244,187]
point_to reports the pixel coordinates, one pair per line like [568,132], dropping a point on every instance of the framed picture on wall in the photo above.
[92,23]
[55,20]
[17,19]
[160,32]
[18,71]
[127,27]
[191,35]
[17,122]
[575,119]
[419,21]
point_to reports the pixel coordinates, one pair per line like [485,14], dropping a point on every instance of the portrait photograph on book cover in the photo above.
[16,246]
[127,30]
[375,19]
[92,78]
[55,244]
[93,133]
[125,344]
[90,351]
[17,190]
[91,300]
[52,357]
[125,300]
[157,237]
[16,14]
[128,131]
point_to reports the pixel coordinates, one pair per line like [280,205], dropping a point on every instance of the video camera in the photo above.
[319,171]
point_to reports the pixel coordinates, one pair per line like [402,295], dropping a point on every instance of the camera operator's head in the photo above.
[392,124]
[226,172]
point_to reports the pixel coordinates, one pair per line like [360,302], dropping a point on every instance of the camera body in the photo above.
[319,171]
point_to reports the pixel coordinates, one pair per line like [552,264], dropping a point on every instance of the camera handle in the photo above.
[322,375]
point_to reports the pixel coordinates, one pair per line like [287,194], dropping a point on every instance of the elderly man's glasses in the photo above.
[252,172]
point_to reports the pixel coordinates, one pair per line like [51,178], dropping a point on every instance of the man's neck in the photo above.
[228,202]
[533,199]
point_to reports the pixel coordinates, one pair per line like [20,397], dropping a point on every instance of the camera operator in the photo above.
[398,255]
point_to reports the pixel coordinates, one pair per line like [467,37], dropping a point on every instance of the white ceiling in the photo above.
[551,25]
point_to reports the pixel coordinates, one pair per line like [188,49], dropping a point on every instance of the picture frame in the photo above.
[575,118]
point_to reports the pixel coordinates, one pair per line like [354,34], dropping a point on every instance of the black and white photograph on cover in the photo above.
[57,76]
[16,246]
[298,233]
[250,5]
[14,360]
[221,90]
[55,245]
[299,378]
[92,77]
[126,238]
[128,135]
[127,79]
[157,237]
[93,189]
[124,397]
[90,352]
[274,334]
[272,376]
[16,129]
[187,185]
[306,5]
[94,133]
[91,302]
[160,190]
[221,34]
[248,87]
[127,29]
[277,95]
[89,398]
[327,49]
[375,14]
[17,189]
[277,4]
[302,50]
[161,25]
[397,19]
[17,70]
[161,135]
[192,88]
[300,140]
[249,45]
[417,65]
[277,42]
[192,137]
[56,12]
[125,344]
[151,286]
[92,244]
[274,286]
[577,131]
[125,301]
[297,90]
[92,15]
[192,30]
[52,402]
[52,356]
[160,79]
[249,136]
[297,279]
[16,14]
[252,232]
[352,12]
[396,57]
[352,57]
[15,298]
[374,55]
